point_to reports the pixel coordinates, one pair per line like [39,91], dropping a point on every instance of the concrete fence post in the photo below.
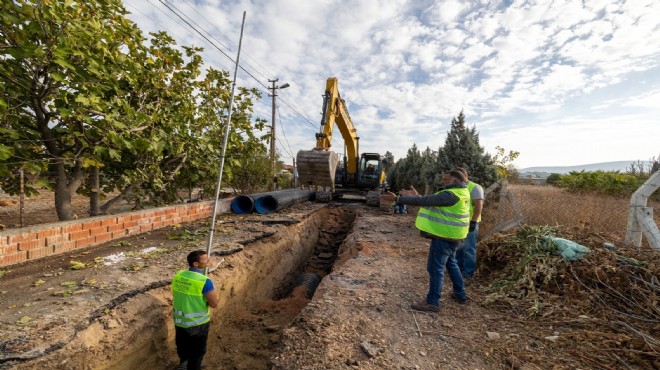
[640,217]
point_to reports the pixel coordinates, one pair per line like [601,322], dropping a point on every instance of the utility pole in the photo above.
[273,157]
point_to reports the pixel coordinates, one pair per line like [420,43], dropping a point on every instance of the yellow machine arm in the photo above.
[335,112]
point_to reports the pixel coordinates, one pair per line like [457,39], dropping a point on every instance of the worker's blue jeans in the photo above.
[467,256]
[443,253]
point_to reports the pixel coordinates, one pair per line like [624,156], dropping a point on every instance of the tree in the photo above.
[462,149]
[85,100]
[504,162]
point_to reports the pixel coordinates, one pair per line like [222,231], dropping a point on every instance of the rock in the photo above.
[552,338]
[493,335]
[370,350]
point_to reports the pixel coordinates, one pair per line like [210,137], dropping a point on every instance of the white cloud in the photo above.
[513,69]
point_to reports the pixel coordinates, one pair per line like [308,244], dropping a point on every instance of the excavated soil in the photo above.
[114,312]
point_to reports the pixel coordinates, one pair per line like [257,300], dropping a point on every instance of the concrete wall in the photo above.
[20,245]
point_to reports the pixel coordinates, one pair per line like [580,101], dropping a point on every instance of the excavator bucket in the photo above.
[317,168]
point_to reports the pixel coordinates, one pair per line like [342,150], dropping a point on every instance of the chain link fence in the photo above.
[601,216]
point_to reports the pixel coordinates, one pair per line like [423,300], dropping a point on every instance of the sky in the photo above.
[563,82]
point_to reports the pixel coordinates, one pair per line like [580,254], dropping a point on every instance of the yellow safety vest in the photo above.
[190,305]
[451,222]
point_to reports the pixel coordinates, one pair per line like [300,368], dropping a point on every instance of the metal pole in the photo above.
[272,136]
[21,198]
[224,147]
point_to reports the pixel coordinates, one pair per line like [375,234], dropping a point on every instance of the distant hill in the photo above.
[605,166]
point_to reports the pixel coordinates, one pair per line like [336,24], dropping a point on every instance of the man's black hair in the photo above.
[457,175]
[194,256]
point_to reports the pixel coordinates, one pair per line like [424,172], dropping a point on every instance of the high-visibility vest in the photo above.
[190,305]
[470,186]
[451,222]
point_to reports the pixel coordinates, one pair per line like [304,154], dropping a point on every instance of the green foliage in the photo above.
[607,182]
[83,94]
[553,179]
[461,149]
[504,162]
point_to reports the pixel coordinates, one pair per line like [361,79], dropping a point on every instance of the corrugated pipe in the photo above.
[276,201]
[243,204]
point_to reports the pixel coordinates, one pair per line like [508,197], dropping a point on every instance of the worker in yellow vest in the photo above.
[193,296]
[444,217]
[467,256]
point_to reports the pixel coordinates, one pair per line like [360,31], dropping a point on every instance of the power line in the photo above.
[229,39]
[210,42]
[176,12]
[279,117]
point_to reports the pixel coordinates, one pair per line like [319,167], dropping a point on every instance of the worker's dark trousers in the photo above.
[191,344]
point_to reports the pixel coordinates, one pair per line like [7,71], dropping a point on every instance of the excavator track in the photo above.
[317,168]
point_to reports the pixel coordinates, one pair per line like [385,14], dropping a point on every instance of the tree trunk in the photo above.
[62,193]
[94,192]
[123,195]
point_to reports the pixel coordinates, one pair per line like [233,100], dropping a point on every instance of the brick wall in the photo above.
[19,245]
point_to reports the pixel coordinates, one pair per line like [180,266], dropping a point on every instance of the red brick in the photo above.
[24,246]
[91,224]
[23,237]
[121,220]
[171,211]
[103,237]
[70,228]
[137,216]
[39,252]
[8,249]
[52,240]
[13,258]
[85,242]
[128,225]
[144,228]
[145,221]
[49,232]
[158,225]
[64,247]
[77,235]
[98,230]
[161,213]
[109,221]
[119,234]
[133,230]
[118,227]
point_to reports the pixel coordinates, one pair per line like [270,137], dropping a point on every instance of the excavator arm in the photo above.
[335,112]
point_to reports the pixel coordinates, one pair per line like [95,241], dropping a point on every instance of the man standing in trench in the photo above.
[467,256]
[192,297]
[444,217]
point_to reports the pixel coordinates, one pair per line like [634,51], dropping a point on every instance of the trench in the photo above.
[261,289]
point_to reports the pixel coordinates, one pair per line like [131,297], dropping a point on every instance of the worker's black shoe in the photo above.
[425,306]
[458,299]
[182,366]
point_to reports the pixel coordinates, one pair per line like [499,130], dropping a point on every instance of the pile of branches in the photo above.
[605,305]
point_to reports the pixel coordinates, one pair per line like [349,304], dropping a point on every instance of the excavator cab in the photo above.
[369,170]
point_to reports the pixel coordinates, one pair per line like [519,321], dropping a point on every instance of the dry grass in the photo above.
[551,206]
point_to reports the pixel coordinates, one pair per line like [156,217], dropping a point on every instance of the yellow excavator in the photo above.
[320,168]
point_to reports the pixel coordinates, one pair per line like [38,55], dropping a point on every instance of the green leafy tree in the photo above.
[462,149]
[504,162]
[58,62]
[553,179]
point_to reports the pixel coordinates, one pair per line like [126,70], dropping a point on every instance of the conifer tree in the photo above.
[462,149]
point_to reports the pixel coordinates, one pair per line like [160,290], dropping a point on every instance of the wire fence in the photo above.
[599,215]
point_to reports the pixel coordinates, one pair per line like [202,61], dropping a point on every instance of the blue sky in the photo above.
[563,82]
